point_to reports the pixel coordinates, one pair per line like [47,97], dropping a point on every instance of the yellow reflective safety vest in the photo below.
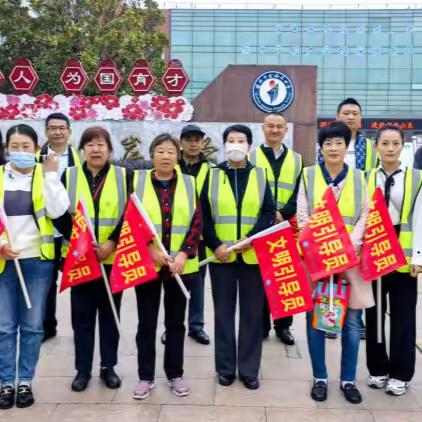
[351,198]
[184,205]
[112,204]
[200,177]
[224,209]
[73,151]
[371,155]
[412,186]
[282,188]
[44,224]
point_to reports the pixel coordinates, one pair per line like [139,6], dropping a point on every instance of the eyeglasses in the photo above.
[57,129]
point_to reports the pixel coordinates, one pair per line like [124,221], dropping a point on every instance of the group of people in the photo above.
[199,211]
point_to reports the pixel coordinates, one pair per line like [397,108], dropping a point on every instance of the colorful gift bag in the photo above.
[323,319]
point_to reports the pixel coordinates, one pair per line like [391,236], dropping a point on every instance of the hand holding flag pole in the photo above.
[247,240]
[3,218]
[141,210]
[105,278]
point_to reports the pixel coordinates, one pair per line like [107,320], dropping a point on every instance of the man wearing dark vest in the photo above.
[58,132]
[283,168]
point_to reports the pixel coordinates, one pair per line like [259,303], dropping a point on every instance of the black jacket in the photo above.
[418,159]
[240,178]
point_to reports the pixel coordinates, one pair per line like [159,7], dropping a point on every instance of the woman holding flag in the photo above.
[352,200]
[169,200]
[104,189]
[236,202]
[30,195]
[401,186]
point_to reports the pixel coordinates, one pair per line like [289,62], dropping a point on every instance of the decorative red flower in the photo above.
[45,101]
[10,112]
[172,111]
[87,101]
[109,101]
[78,113]
[29,111]
[160,103]
[180,101]
[133,112]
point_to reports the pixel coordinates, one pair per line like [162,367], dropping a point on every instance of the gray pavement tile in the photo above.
[211,414]
[390,416]
[36,413]
[319,415]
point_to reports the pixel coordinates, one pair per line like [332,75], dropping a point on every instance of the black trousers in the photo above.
[400,364]
[279,324]
[148,297]
[86,301]
[226,281]
[50,321]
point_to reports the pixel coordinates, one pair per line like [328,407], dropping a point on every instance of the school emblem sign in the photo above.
[273,92]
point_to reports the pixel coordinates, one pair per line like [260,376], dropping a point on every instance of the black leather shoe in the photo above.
[80,382]
[249,382]
[319,391]
[286,336]
[200,336]
[7,397]
[24,397]
[110,378]
[226,380]
[331,336]
[163,338]
[351,393]
[49,334]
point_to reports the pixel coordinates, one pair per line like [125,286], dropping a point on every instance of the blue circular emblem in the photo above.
[273,92]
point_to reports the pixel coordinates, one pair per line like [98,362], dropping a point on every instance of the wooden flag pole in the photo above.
[103,272]
[16,260]
[141,210]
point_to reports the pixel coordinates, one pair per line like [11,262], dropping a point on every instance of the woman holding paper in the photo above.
[236,202]
[30,195]
[401,186]
[104,188]
[168,199]
[352,199]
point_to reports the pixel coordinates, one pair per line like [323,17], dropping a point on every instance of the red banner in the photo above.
[133,264]
[325,243]
[381,249]
[283,274]
[81,264]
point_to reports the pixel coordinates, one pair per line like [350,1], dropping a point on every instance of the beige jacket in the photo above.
[361,295]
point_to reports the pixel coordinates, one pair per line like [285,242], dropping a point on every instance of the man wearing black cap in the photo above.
[194,163]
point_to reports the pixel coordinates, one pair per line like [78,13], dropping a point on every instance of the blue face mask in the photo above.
[22,160]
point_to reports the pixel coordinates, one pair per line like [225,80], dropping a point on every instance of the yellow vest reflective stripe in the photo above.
[44,224]
[351,197]
[282,188]
[371,155]
[412,186]
[184,205]
[74,152]
[225,213]
[200,177]
[112,200]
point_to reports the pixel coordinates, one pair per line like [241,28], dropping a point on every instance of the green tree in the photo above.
[49,32]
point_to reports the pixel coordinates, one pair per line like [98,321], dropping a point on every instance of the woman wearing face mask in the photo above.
[31,195]
[237,202]
[400,185]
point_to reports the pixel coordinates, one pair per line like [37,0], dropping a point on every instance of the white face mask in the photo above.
[236,152]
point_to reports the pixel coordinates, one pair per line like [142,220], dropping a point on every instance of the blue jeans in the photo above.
[15,316]
[350,340]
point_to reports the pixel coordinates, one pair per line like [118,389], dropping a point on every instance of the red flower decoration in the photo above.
[9,112]
[109,101]
[45,101]
[78,113]
[172,111]
[87,101]
[133,112]
[180,101]
[160,103]
[28,110]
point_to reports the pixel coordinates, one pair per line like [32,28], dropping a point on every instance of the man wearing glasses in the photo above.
[58,131]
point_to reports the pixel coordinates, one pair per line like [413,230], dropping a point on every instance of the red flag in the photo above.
[325,243]
[283,273]
[381,249]
[133,264]
[81,264]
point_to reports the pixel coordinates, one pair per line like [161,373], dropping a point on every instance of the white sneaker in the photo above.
[396,387]
[377,382]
